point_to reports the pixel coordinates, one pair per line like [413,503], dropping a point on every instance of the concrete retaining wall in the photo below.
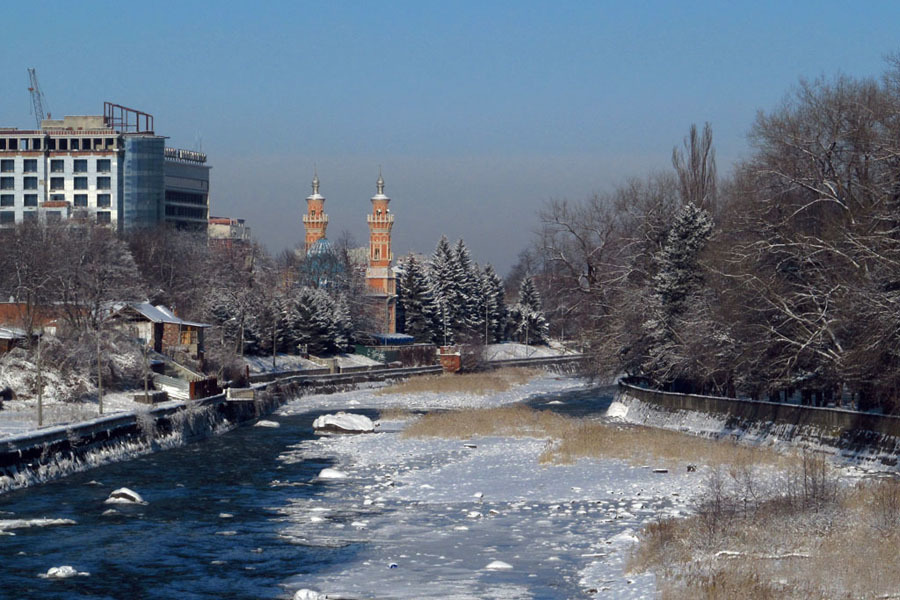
[863,435]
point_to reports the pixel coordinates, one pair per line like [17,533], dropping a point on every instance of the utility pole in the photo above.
[40,382]
[99,375]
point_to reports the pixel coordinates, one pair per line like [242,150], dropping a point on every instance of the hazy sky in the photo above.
[477,112]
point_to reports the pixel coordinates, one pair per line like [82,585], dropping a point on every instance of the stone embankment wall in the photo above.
[864,436]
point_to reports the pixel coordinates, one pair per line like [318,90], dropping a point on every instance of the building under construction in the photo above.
[111,169]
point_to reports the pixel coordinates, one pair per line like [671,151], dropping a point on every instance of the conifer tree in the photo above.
[443,280]
[417,302]
[495,302]
[527,321]
[467,290]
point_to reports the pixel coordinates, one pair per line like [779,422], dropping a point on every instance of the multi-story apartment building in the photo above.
[110,169]
[187,189]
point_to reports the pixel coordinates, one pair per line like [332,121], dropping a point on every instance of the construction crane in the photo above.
[37,97]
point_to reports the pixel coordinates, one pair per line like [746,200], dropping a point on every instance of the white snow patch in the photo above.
[617,410]
[265,423]
[6,524]
[344,422]
[329,473]
[63,572]
[498,565]
[305,594]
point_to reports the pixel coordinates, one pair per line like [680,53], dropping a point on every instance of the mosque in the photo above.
[381,284]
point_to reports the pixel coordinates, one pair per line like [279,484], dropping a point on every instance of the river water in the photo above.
[210,528]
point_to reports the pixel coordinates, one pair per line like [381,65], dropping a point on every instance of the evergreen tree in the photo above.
[343,324]
[416,299]
[678,278]
[444,283]
[310,321]
[526,318]
[495,303]
[467,292]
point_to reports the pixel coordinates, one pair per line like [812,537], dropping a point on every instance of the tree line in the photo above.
[783,276]
[451,300]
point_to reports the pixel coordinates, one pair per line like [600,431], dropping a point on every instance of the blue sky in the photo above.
[477,112]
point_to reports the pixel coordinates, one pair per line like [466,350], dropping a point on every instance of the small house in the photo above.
[161,329]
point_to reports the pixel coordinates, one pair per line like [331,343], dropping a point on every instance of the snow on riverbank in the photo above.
[436,514]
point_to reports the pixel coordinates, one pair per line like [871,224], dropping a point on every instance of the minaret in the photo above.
[379,275]
[315,220]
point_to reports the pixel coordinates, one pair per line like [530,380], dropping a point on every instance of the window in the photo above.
[103,200]
[63,144]
[7,217]
[103,183]
[31,200]
[103,217]
[7,165]
[80,165]
[53,216]
[7,183]
[80,199]
[35,143]
[57,165]
[57,198]
[103,165]
[7,200]
[31,215]
[73,144]
[30,165]
[80,183]
[30,183]
[57,183]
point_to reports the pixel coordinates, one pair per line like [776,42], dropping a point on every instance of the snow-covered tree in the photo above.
[678,279]
[310,321]
[470,307]
[527,322]
[443,280]
[416,299]
[343,323]
[494,298]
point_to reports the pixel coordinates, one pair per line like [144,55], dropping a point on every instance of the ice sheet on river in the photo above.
[439,511]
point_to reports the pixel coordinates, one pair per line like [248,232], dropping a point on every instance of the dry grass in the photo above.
[513,420]
[576,438]
[839,546]
[489,382]
[396,414]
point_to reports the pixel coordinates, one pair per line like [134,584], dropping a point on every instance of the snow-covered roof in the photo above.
[11,333]
[161,314]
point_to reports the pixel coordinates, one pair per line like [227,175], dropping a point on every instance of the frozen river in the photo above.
[242,515]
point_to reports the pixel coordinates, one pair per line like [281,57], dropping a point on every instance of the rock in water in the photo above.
[343,423]
[63,572]
[498,565]
[332,474]
[124,495]
[265,423]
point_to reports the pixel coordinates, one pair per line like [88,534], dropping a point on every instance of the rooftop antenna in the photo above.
[37,97]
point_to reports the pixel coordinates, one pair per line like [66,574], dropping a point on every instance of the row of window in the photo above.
[31,200]
[61,143]
[8,217]
[56,183]
[57,165]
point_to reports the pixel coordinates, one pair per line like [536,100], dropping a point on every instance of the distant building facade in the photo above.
[228,233]
[110,169]
[186,181]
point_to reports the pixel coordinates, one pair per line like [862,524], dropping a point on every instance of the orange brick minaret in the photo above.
[315,220]
[379,275]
